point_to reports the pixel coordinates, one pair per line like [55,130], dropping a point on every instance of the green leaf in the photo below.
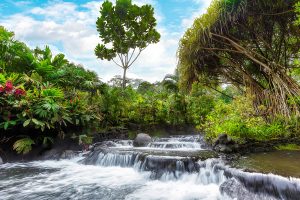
[35,121]
[6,125]
[27,122]
[13,122]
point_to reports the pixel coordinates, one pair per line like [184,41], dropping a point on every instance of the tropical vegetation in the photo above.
[238,73]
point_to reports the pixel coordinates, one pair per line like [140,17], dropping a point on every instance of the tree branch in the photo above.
[140,51]
[121,59]
[117,63]
[131,55]
[273,14]
[219,49]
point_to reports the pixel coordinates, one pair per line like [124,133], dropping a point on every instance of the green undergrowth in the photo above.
[289,147]
[239,120]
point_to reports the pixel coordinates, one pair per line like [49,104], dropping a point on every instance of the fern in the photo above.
[42,113]
[51,106]
[23,145]
[53,93]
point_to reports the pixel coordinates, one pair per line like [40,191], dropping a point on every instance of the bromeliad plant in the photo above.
[11,98]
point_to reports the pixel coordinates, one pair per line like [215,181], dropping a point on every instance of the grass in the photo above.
[290,147]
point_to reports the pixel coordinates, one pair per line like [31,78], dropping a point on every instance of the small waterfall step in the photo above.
[117,170]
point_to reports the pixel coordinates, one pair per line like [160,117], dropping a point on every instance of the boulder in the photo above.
[142,140]
[1,161]
[225,144]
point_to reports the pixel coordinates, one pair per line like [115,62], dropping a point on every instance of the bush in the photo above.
[239,120]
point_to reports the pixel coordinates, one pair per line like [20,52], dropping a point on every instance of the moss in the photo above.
[290,147]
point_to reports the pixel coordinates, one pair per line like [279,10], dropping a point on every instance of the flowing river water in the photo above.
[173,168]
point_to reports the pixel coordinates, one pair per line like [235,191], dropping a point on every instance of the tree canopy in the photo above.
[248,43]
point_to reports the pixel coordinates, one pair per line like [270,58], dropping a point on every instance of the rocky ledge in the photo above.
[225,144]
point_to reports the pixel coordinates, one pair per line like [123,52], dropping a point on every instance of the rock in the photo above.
[236,190]
[225,144]
[68,154]
[225,149]
[142,140]
[53,154]
[56,154]
[222,138]
[1,161]
[230,141]
[236,147]
[103,145]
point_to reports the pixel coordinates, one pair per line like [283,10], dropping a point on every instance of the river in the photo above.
[175,168]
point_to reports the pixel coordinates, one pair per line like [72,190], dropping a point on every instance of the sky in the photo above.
[68,27]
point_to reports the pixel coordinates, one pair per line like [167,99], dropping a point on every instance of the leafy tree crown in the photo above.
[125,26]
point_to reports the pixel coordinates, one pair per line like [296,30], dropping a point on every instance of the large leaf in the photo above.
[23,145]
[27,122]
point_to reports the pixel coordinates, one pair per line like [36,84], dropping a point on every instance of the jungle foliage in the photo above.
[44,97]
[238,74]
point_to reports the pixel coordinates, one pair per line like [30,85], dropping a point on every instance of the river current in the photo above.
[169,168]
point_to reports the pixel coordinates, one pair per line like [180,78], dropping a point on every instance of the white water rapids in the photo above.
[69,180]
[128,174]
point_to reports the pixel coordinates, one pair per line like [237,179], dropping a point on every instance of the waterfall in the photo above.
[210,171]
[178,167]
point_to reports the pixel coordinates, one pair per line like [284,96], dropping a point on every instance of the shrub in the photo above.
[239,120]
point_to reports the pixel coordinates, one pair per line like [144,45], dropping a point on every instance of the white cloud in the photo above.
[203,5]
[70,28]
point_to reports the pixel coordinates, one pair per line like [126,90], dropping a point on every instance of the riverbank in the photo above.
[225,144]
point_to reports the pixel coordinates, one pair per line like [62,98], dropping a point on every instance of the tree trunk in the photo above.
[124,78]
